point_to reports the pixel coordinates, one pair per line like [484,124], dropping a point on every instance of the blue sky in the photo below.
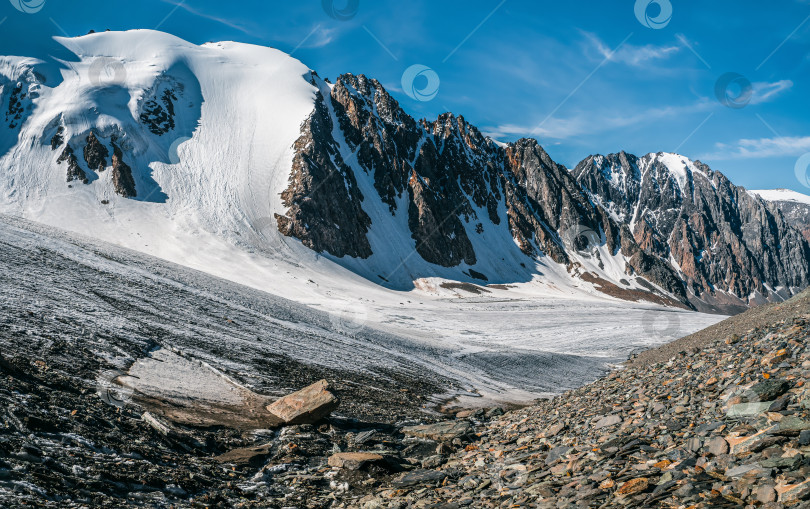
[582,77]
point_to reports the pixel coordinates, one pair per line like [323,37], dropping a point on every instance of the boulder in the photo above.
[246,455]
[353,460]
[768,390]
[306,406]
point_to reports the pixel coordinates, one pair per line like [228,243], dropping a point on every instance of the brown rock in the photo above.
[791,493]
[353,460]
[306,406]
[245,455]
[633,486]
[766,493]
[774,357]
[607,484]
[753,443]
[718,446]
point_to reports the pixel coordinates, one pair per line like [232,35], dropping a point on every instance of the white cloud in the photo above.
[764,91]
[789,146]
[632,55]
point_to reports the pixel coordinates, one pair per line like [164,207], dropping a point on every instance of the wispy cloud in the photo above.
[629,54]
[788,146]
[319,37]
[205,15]
[765,92]
[590,123]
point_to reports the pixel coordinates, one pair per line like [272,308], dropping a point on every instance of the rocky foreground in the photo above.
[718,419]
[723,425]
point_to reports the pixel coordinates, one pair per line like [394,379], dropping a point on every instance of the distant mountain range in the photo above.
[146,133]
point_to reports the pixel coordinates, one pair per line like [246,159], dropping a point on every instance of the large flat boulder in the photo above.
[353,460]
[306,406]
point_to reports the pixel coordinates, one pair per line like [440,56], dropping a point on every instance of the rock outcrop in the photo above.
[796,213]
[123,183]
[325,210]
[730,248]
[451,181]
[95,153]
[74,171]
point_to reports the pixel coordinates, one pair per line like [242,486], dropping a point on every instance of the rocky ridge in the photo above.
[715,234]
[452,183]
[796,212]
[678,229]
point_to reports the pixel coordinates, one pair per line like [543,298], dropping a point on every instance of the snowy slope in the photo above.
[121,304]
[782,195]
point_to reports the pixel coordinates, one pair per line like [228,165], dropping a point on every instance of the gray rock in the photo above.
[748,409]
[768,390]
[791,426]
[441,431]
[419,477]
[718,446]
[766,493]
[608,420]
[740,470]
[557,453]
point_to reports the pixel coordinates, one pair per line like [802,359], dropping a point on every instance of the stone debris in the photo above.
[726,425]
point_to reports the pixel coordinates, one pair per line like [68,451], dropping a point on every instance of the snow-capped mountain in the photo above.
[231,158]
[730,248]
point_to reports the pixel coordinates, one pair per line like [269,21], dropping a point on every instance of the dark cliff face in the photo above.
[453,181]
[123,183]
[723,241]
[323,197]
[795,213]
